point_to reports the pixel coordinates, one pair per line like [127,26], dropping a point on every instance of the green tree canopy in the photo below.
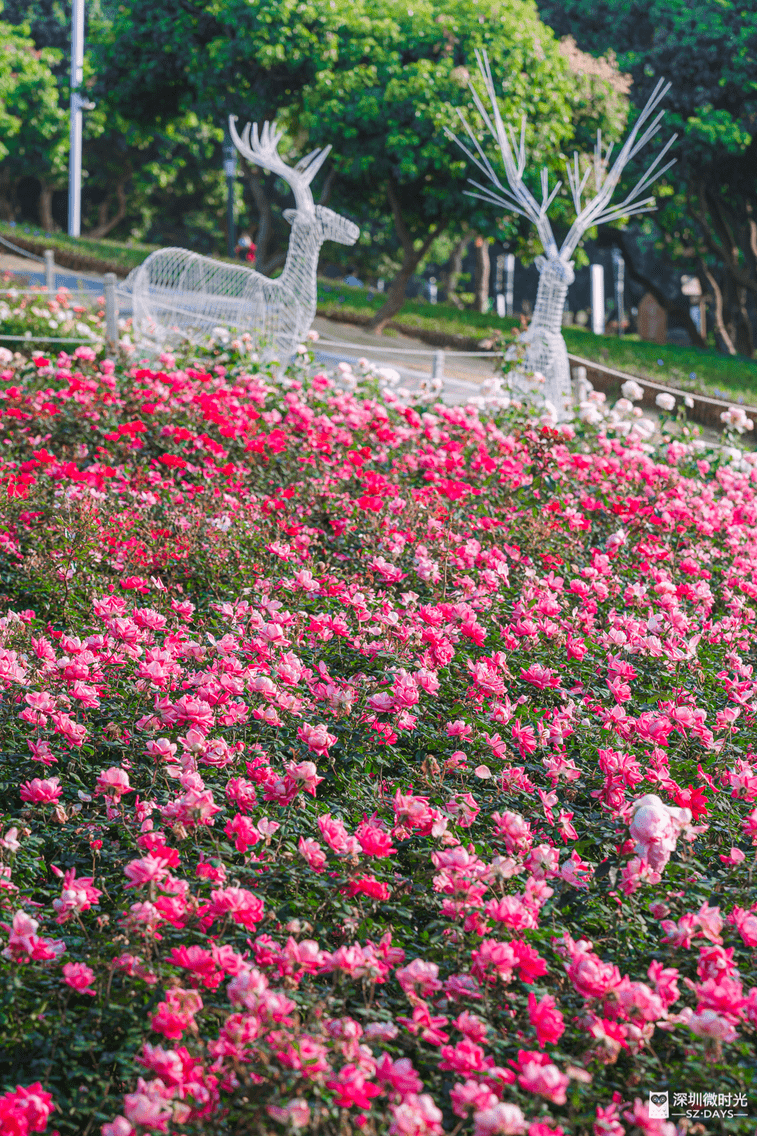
[33,125]
[215,57]
[393,87]
[706,223]
[376,78]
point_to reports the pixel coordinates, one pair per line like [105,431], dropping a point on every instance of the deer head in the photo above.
[261,147]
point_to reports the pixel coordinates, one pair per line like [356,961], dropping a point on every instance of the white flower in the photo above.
[590,413]
[655,827]
[665,401]
[632,391]
[313,335]
[492,386]
[388,375]
[735,418]
[644,428]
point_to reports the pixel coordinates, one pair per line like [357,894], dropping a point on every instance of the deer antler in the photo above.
[515,196]
[600,209]
[261,147]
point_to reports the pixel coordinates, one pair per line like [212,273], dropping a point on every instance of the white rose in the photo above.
[632,391]
[665,401]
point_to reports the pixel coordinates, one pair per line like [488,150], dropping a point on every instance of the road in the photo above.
[30,273]
[412,358]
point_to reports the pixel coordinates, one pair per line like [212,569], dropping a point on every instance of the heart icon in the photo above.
[658,1098]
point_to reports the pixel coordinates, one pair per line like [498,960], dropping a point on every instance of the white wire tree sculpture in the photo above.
[182,295]
[546,352]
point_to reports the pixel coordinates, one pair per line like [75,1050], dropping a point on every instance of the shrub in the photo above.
[366,766]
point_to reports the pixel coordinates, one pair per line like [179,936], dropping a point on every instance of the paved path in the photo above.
[462,374]
[31,273]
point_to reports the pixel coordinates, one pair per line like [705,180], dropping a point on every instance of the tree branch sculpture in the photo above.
[546,352]
[179,294]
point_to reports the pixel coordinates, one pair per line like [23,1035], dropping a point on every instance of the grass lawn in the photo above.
[691,368]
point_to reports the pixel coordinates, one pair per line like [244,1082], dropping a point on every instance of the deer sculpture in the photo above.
[546,352]
[177,294]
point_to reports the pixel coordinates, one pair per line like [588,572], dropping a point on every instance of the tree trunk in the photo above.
[45,204]
[411,258]
[278,260]
[7,188]
[744,335]
[395,294]
[455,271]
[105,226]
[483,270]
[720,327]
[724,240]
[254,180]
[670,306]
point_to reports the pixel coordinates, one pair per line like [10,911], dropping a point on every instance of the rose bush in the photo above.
[33,313]
[366,766]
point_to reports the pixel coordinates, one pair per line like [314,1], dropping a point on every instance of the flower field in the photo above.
[368,767]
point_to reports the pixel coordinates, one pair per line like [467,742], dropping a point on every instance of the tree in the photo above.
[377,79]
[160,65]
[389,93]
[215,57]
[33,126]
[706,224]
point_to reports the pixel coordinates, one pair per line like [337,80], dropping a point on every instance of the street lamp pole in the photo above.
[77,103]
[230,169]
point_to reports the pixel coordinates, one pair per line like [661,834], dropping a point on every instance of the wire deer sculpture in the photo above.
[177,294]
[546,352]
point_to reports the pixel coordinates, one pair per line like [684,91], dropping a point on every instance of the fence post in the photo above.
[111,311]
[437,371]
[50,270]
[581,385]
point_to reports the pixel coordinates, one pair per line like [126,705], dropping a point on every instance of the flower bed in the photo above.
[35,314]
[368,767]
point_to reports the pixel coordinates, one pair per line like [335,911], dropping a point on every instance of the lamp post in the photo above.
[77,105]
[230,169]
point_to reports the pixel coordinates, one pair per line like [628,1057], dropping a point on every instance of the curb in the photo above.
[706,410]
